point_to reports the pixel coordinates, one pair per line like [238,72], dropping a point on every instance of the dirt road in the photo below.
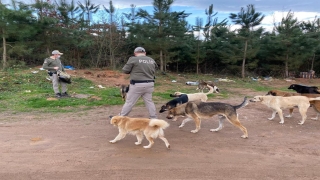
[76,146]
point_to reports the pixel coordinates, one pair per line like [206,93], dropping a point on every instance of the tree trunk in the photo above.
[165,63]
[177,66]
[161,61]
[312,61]
[198,57]
[244,59]
[286,69]
[4,54]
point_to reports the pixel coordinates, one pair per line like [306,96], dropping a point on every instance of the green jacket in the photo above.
[140,68]
[50,63]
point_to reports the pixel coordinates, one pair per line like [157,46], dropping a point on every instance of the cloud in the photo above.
[274,10]
[229,5]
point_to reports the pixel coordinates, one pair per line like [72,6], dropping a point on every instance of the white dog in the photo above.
[277,103]
[198,96]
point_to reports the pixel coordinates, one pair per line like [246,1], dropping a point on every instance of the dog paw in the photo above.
[270,119]
[194,131]
[281,122]
[244,136]
[314,118]
[301,123]
[214,130]
[113,141]
[181,126]
[146,147]
[137,143]
[288,116]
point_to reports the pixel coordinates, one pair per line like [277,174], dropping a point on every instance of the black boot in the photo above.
[58,95]
[65,94]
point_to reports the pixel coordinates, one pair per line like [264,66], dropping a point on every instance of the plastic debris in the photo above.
[225,80]
[100,86]
[173,81]
[267,78]
[192,83]
[69,67]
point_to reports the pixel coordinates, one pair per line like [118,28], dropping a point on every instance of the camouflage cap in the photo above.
[56,52]
[139,49]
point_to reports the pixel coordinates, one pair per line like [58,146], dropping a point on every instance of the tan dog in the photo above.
[277,103]
[152,129]
[197,96]
[315,103]
[196,110]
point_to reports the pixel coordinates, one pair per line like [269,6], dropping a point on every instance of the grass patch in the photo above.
[22,90]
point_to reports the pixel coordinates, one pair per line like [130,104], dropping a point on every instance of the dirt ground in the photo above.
[76,145]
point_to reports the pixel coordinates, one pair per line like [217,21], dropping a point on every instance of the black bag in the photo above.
[64,77]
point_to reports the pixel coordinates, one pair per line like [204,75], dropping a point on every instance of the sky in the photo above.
[273,10]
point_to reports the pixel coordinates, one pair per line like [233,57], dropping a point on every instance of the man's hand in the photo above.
[56,68]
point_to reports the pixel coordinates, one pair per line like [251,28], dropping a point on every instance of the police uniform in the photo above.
[49,64]
[142,70]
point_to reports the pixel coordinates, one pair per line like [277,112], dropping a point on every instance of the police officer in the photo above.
[142,72]
[53,64]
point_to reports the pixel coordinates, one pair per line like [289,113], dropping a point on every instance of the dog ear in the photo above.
[163,109]
[110,117]
[116,120]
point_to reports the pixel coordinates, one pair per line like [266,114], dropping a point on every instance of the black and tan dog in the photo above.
[304,89]
[315,103]
[174,103]
[123,91]
[196,110]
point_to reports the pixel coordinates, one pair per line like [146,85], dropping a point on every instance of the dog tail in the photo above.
[243,104]
[158,122]
[176,94]
[210,91]
[314,99]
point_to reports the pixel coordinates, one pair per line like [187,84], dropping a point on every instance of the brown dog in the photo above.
[196,110]
[151,128]
[282,93]
[315,103]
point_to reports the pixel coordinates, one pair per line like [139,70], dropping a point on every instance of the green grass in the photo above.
[22,91]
